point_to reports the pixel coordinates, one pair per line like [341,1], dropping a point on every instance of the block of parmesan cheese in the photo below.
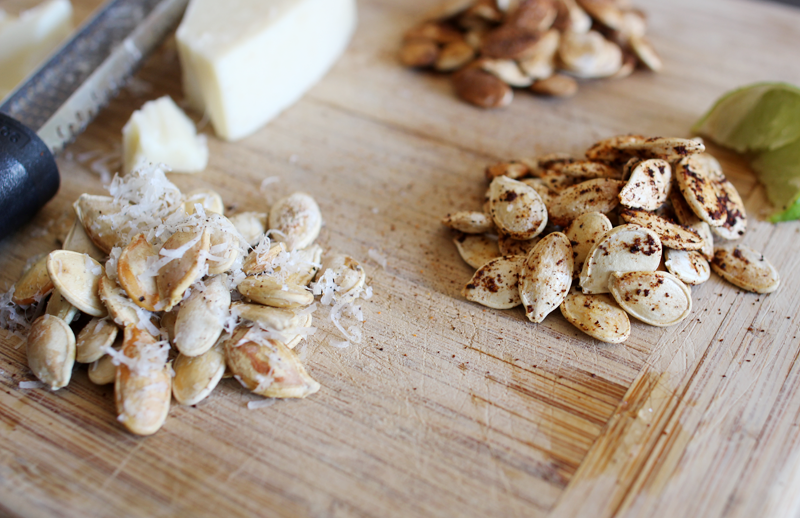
[245,61]
[160,133]
[26,40]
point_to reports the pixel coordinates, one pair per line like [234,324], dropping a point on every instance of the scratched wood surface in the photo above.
[447,408]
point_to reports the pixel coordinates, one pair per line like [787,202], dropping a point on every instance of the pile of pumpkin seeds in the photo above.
[493,46]
[633,225]
[197,296]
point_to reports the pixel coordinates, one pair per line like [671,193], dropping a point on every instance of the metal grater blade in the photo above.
[60,99]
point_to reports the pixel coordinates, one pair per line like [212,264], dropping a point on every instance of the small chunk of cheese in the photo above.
[26,40]
[160,133]
[245,61]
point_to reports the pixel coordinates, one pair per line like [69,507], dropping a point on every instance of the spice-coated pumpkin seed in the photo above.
[197,376]
[546,276]
[583,233]
[516,208]
[597,195]
[699,190]
[94,339]
[610,150]
[34,284]
[510,246]
[746,268]
[598,316]
[735,224]
[626,248]
[267,367]
[656,298]
[296,220]
[76,276]
[648,186]
[669,149]
[542,188]
[588,169]
[494,285]
[514,169]
[672,235]
[132,266]
[51,351]
[690,267]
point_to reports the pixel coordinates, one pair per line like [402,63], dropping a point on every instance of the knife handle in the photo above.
[28,174]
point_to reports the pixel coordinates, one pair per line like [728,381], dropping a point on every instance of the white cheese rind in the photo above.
[160,133]
[245,61]
[25,41]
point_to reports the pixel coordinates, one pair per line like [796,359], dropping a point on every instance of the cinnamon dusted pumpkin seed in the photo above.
[690,267]
[583,233]
[494,285]
[476,250]
[510,246]
[469,222]
[735,224]
[699,191]
[627,248]
[704,231]
[672,235]
[200,319]
[598,195]
[188,251]
[132,266]
[514,169]
[598,316]
[267,367]
[516,208]
[588,169]
[542,188]
[746,268]
[197,376]
[610,150]
[94,340]
[656,298]
[77,276]
[669,149]
[648,186]
[34,284]
[51,351]
[546,276]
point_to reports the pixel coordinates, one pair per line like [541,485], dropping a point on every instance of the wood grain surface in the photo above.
[447,408]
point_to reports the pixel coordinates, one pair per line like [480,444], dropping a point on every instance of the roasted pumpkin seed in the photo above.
[598,316]
[656,298]
[546,276]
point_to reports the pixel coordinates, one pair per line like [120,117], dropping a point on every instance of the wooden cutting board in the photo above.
[446,408]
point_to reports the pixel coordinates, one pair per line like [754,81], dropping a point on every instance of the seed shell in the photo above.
[746,268]
[268,291]
[33,285]
[597,195]
[648,186]
[77,276]
[699,190]
[197,376]
[132,273]
[671,234]
[199,322]
[583,233]
[296,219]
[670,149]
[94,339]
[516,208]
[51,351]
[494,285]
[690,267]
[626,248]
[546,276]
[469,222]
[598,316]
[656,298]
[176,276]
